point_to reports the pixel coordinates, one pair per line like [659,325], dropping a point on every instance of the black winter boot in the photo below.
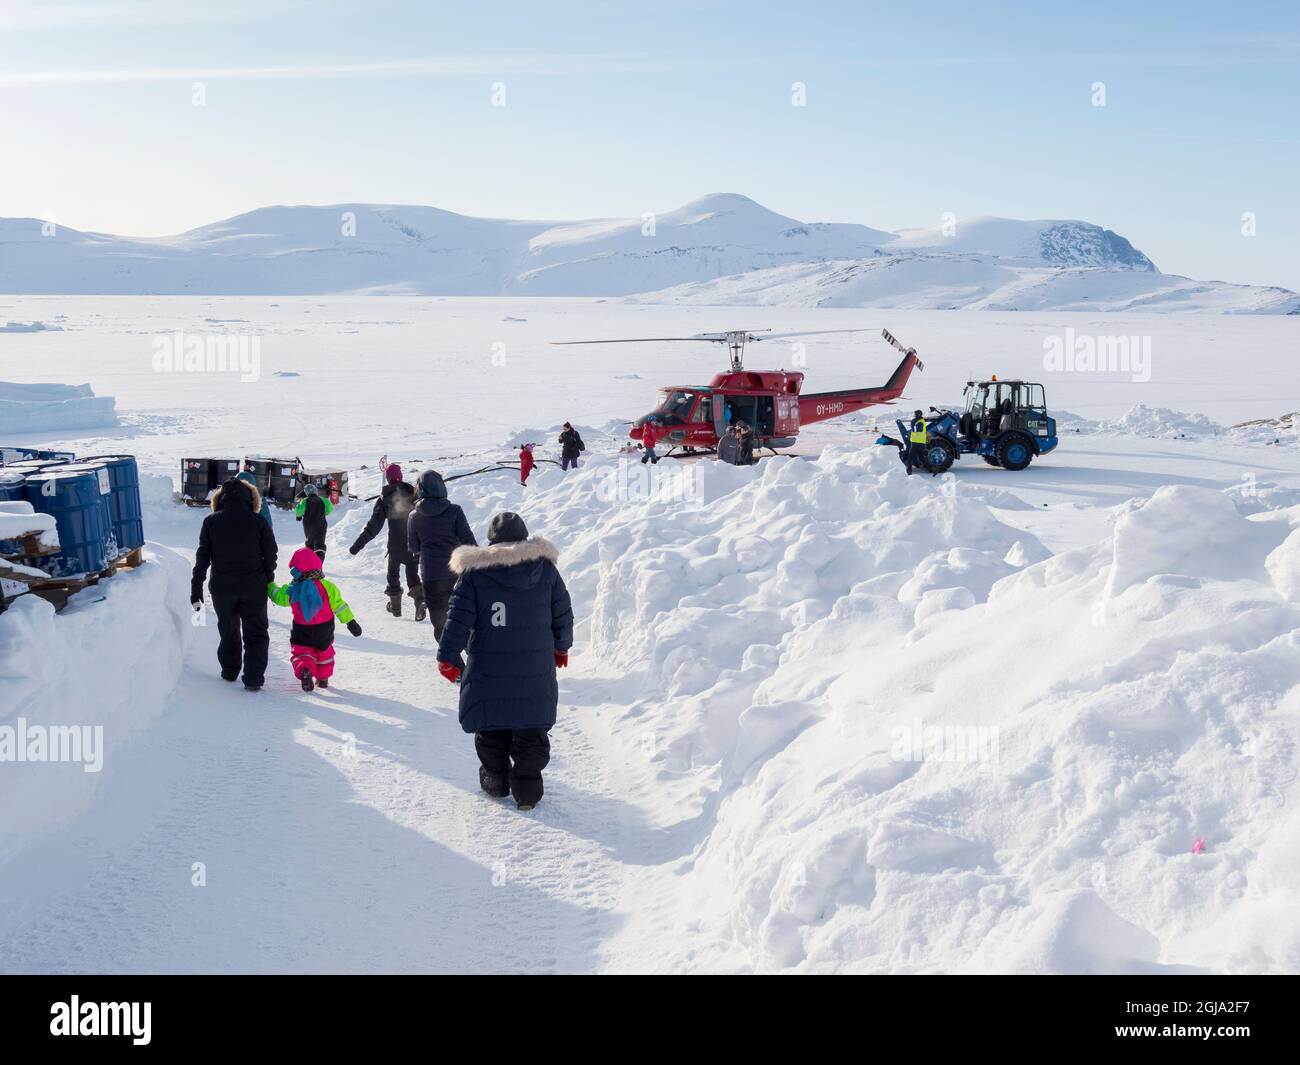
[395,605]
[495,784]
[304,675]
[421,611]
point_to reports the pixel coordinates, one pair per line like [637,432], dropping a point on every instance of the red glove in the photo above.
[561,659]
[452,673]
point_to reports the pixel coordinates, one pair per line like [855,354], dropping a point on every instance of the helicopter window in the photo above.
[676,407]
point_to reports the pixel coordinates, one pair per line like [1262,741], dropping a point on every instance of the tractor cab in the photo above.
[1006,422]
[994,407]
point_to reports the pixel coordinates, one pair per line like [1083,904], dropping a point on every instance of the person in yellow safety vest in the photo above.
[916,441]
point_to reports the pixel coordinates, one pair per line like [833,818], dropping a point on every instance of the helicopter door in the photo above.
[719,415]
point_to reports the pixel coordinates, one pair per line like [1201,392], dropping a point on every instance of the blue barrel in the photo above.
[81,516]
[105,485]
[123,499]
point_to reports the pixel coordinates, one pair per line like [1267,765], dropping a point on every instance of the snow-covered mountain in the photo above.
[723,248]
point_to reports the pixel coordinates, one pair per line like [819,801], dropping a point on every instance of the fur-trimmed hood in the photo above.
[467,559]
[254,496]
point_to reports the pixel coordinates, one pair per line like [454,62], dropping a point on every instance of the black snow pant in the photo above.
[318,546]
[528,748]
[915,456]
[243,631]
[437,596]
[396,563]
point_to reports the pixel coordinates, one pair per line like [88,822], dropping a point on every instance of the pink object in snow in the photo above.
[1198,846]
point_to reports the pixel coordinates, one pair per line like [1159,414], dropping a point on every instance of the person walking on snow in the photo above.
[394,505]
[315,603]
[526,463]
[649,437]
[511,613]
[239,547]
[264,507]
[571,446]
[312,510]
[434,530]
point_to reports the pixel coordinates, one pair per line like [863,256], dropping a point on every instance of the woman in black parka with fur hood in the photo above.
[510,612]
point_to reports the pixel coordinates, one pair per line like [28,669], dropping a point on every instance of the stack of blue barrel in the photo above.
[95,503]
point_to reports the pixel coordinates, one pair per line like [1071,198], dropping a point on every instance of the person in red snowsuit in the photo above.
[526,463]
[649,437]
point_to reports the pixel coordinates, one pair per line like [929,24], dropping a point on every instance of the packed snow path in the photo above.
[338,831]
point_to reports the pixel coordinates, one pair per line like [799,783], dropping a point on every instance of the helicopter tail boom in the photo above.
[819,406]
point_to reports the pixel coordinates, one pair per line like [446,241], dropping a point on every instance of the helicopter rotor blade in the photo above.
[753,334]
[811,333]
[894,341]
[633,340]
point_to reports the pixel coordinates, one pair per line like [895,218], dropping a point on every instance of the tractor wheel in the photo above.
[1015,451]
[992,460]
[939,456]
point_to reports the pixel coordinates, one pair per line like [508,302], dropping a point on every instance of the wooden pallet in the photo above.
[130,560]
[58,590]
[31,547]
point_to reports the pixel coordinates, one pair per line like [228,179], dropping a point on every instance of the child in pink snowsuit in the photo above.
[315,602]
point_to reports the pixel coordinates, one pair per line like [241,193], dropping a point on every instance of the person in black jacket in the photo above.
[511,613]
[745,449]
[313,511]
[394,506]
[434,530]
[239,546]
[571,446]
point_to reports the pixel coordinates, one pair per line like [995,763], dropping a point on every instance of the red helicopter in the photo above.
[695,417]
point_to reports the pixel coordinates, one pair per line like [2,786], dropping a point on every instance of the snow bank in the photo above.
[108,661]
[29,327]
[49,407]
[1018,786]
[1162,423]
[1140,420]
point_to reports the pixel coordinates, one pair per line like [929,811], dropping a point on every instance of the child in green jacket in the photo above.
[315,602]
[312,510]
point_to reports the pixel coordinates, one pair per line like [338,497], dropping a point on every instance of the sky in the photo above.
[151,117]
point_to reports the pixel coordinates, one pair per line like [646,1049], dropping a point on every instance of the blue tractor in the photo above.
[1005,422]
